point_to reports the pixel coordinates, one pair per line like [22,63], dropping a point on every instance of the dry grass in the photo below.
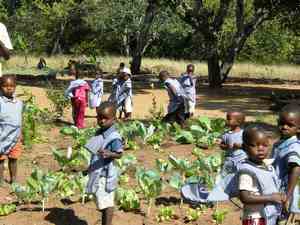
[110,63]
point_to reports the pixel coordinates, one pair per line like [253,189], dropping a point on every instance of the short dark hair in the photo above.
[291,108]
[240,116]
[7,77]
[122,64]
[107,105]
[164,73]
[251,129]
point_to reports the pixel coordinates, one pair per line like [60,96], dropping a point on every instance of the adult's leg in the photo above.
[12,166]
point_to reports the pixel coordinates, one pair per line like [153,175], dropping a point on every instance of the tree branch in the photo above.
[239,15]
[221,14]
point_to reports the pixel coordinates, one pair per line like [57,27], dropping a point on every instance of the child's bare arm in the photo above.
[106,154]
[4,51]
[248,198]
[294,173]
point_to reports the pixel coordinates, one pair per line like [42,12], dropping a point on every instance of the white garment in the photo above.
[4,37]
[104,199]
[128,105]
[189,106]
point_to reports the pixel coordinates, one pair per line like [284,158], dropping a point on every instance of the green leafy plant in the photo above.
[165,214]
[125,162]
[58,101]
[150,185]
[163,166]
[193,214]
[6,209]
[127,199]
[219,216]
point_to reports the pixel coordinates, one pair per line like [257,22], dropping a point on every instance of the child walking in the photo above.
[124,93]
[96,93]
[188,82]
[105,147]
[258,183]
[286,155]
[78,92]
[176,112]
[10,127]
[232,140]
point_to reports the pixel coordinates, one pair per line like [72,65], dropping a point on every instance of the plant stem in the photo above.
[83,199]
[43,205]
[149,207]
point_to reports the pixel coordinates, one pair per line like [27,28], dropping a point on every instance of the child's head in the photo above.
[99,73]
[8,85]
[235,119]
[125,73]
[122,65]
[106,114]
[289,121]
[190,68]
[256,143]
[74,71]
[163,75]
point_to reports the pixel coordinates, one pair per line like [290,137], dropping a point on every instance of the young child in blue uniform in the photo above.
[176,109]
[96,92]
[232,140]
[188,82]
[105,147]
[258,183]
[10,126]
[286,155]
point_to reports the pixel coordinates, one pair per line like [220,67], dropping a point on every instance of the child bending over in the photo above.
[10,127]
[78,92]
[105,146]
[176,112]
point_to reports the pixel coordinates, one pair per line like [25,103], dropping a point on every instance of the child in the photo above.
[258,183]
[286,154]
[96,90]
[78,92]
[232,141]
[105,147]
[124,93]
[176,99]
[121,67]
[188,82]
[42,63]
[10,127]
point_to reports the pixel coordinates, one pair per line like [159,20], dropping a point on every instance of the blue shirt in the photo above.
[10,122]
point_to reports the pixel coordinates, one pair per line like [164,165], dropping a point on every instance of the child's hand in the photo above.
[278,198]
[236,146]
[105,154]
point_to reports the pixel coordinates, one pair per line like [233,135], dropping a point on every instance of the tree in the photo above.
[207,18]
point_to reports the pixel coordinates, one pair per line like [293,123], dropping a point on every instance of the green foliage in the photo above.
[193,214]
[58,101]
[219,216]
[6,209]
[32,116]
[127,199]
[165,214]
[125,162]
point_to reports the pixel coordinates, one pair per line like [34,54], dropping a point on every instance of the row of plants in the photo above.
[173,172]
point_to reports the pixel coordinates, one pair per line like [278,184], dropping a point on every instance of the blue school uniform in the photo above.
[10,123]
[123,92]
[233,156]
[111,140]
[286,152]
[188,84]
[175,99]
[96,93]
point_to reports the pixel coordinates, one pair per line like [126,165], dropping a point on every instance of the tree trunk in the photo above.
[57,47]
[142,39]
[214,73]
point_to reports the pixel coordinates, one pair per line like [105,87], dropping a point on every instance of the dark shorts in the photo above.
[177,116]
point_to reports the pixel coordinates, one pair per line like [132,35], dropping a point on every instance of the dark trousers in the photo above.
[177,116]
